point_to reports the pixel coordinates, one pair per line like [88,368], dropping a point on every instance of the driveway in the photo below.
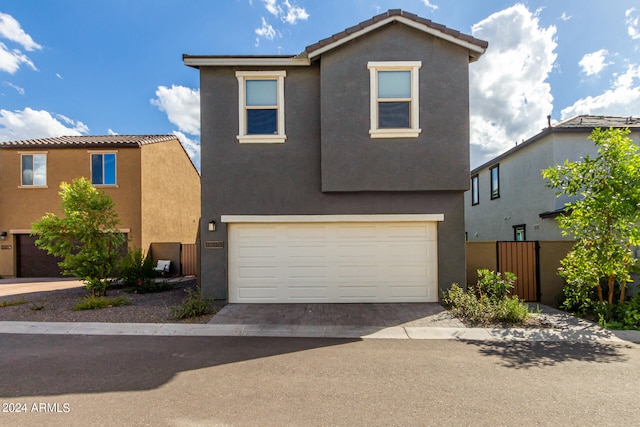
[25,285]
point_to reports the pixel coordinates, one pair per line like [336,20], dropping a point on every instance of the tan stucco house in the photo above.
[152,180]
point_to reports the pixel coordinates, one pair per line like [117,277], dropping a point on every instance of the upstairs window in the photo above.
[103,169]
[475,198]
[394,99]
[261,102]
[495,181]
[34,170]
[520,232]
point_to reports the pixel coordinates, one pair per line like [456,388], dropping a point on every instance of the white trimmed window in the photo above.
[103,168]
[394,99]
[33,170]
[261,102]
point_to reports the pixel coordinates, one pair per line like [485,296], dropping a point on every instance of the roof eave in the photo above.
[475,51]
[244,61]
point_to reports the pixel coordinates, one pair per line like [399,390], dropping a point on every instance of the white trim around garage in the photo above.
[331,218]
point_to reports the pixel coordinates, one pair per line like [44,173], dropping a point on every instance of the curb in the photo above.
[308,331]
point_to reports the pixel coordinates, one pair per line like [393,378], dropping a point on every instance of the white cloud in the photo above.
[12,59]
[30,124]
[623,99]
[429,5]
[18,89]
[509,96]
[593,63]
[565,17]
[59,76]
[266,31]
[633,23]
[285,11]
[10,29]
[294,13]
[112,132]
[191,146]
[182,105]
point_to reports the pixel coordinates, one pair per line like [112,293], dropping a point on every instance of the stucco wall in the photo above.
[19,207]
[170,195]
[437,159]
[271,179]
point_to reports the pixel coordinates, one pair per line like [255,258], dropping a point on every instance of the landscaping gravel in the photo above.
[56,306]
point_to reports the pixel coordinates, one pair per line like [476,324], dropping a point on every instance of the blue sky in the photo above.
[77,67]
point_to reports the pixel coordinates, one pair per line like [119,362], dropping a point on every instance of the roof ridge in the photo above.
[80,140]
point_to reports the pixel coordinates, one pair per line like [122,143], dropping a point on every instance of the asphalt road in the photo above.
[211,381]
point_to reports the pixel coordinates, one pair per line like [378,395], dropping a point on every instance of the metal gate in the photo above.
[521,259]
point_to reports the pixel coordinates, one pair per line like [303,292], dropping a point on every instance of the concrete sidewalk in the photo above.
[314,331]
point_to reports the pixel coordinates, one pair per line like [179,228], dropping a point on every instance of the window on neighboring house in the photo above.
[520,233]
[475,198]
[261,102]
[34,170]
[394,99]
[103,169]
[495,182]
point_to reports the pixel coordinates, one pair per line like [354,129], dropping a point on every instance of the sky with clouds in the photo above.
[73,67]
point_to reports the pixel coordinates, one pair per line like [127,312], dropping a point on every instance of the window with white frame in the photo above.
[394,99]
[103,169]
[33,170]
[261,106]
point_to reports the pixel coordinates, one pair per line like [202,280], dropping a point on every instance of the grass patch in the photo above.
[193,306]
[13,303]
[91,302]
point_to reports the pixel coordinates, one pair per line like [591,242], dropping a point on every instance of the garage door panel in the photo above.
[329,262]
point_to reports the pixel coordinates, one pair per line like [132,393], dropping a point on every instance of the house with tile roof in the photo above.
[337,175]
[151,179]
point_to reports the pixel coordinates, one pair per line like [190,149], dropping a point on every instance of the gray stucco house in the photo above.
[508,198]
[338,175]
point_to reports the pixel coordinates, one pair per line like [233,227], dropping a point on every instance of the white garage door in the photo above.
[333,262]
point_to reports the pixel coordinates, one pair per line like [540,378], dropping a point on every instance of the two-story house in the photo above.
[508,198]
[151,179]
[338,175]
[509,202]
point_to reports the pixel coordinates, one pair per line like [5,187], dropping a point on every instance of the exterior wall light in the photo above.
[212,225]
[3,235]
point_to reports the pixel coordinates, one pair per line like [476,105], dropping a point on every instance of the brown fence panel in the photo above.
[520,258]
[189,259]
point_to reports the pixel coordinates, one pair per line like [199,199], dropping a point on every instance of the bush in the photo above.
[194,306]
[150,285]
[136,267]
[488,301]
[92,302]
[625,315]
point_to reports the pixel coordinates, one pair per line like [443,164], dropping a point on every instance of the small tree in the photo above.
[604,220]
[86,238]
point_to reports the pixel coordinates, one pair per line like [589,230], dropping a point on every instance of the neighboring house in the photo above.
[151,179]
[338,175]
[509,202]
[508,198]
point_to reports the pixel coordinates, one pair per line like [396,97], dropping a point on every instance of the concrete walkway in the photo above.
[28,285]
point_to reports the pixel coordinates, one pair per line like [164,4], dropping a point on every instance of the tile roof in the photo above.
[92,140]
[391,15]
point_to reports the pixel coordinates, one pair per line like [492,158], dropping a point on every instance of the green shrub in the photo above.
[625,315]
[488,301]
[193,306]
[135,266]
[494,285]
[150,285]
[92,302]
[13,303]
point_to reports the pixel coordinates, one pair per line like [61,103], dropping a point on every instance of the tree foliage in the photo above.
[86,237]
[604,218]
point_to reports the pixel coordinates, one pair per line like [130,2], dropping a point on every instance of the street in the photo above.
[197,381]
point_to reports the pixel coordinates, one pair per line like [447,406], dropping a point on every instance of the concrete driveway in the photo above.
[25,285]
